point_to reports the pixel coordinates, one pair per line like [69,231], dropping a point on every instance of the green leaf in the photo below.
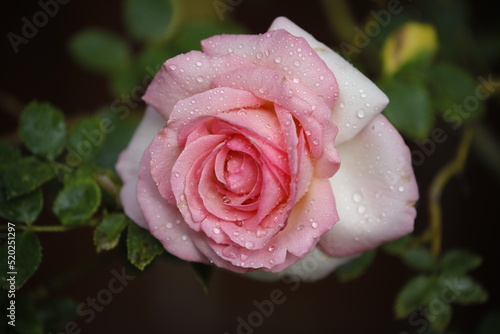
[8,154]
[465,290]
[23,209]
[27,321]
[454,93]
[25,175]
[77,202]
[440,317]
[107,233]
[355,268]
[100,50]
[83,172]
[409,109]
[148,20]
[397,247]
[418,292]
[419,258]
[123,82]
[85,138]
[194,32]
[142,247]
[203,273]
[43,130]
[120,132]
[28,254]
[460,261]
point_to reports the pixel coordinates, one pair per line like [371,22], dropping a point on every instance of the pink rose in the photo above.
[241,147]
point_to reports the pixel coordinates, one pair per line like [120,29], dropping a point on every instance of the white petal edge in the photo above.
[315,266]
[128,163]
[375,190]
[359,101]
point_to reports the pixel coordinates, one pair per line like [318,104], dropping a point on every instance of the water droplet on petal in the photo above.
[277,60]
[314,224]
[361,209]
[173,67]
[216,230]
[168,225]
[199,79]
[249,245]
[356,197]
[401,189]
[361,113]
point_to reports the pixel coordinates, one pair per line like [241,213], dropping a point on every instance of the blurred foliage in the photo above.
[424,60]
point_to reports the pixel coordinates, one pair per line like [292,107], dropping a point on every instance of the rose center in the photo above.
[241,172]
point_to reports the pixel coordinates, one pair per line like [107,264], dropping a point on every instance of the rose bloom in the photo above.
[267,152]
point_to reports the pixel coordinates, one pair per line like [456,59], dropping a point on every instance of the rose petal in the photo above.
[283,52]
[186,75]
[359,100]
[164,220]
[314,266]
[375,190]
[128,163]
[311,217]
[270,85]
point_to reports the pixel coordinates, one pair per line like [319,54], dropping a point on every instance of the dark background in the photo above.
[167,298]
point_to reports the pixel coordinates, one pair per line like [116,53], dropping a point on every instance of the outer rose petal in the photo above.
[186,75]
[375,191]
[164,220]
[313,267]
[359,101]
[128,163]
[283,52]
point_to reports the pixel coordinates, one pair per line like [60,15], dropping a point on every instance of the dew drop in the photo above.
[173,67]
[249,245]
[177,175]
[261,233]
[184,237]
[361,113]
[277,60]
[243,257]
[314,224]
[356,197]
[199,64]
[216,230]
[259,55]
[271,248]
[168,225]
[361,209]
[401,189]
[199,79]
[296,63]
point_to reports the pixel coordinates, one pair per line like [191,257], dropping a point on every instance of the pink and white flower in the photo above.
[237,161]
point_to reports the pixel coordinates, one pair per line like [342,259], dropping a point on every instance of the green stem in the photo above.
[436,188]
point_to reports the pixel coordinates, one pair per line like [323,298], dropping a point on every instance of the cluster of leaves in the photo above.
[159,30]
[422,88]
[63,166]
[440,282]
